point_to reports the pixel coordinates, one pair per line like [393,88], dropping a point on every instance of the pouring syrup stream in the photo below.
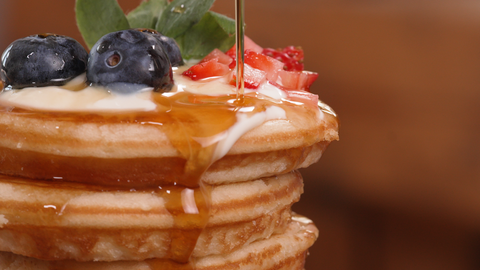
[239,38]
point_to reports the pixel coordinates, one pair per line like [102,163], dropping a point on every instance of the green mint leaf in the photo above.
[213,31]
[180,15]
[96,18]
[147,14]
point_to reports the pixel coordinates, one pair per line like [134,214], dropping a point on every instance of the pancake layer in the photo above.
[72,221]
[286,251]
[118,151]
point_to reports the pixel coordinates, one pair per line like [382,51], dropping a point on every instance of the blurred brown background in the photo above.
[401,190]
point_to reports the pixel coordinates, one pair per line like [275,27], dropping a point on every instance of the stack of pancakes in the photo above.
[103,191]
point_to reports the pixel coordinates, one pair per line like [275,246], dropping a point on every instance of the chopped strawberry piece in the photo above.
[293,66]
[252,77]
[279,86]
[206,69]
[233,64]
[248,44]
[265,63]
[277,54]
[222,57]
[291,57]
[306,80]
[296,80]
[304,97]
[232,52]
[288,79]
[295,53]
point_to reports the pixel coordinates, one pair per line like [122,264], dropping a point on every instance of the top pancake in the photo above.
[146,149]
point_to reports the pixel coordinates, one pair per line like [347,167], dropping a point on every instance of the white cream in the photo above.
[54,98]
[269,90]
[93,99]
[244,124]
[211,87]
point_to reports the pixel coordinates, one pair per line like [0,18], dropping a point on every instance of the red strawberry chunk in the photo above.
[206,69]
[248,44]
[304,97]
[232,52]
[252,77]
[306,80]
[296,80]
[233,64]
[291,57]
[277,54]
[260,61]
[293,66]
[288,79]
[222,57]
[295,53]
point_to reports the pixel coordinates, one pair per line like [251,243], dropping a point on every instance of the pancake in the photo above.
[77,222]
[113,150]
[286,251]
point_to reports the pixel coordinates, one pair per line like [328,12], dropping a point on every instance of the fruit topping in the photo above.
[252,77]
[128,61]
[303,97]
[214,64]
[170,46]
[222,57]
[282,67]
[296,80]
[42,60]
[206,69]
[291,57]
[262,62]
[248,44]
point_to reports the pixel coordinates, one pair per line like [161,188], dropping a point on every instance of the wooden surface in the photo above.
[401,189]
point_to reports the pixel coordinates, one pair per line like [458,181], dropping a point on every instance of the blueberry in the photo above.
[170,46]
[129,60]
[42,60]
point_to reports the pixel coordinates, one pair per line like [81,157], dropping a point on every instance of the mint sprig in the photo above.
[146,15]
[213,31]
[196,30]
[180,15]
[98,18]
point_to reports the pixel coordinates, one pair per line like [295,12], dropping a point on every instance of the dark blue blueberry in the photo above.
[42,60]
[170,46]
[129,60]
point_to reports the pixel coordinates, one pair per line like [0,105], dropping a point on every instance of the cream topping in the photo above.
[97,99]
[54,98]
[244,123]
